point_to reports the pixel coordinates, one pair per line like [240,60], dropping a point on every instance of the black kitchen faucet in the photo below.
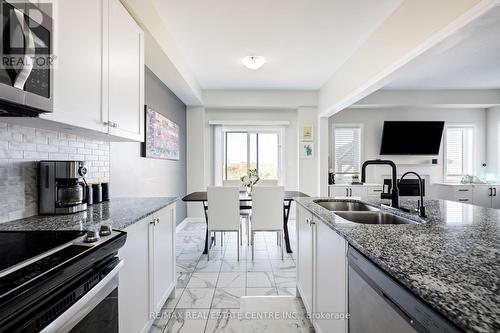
[395,189]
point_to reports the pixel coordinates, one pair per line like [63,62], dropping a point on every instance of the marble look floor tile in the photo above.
[203,280]
[172,302]
[258,255]
[283,305]
[208,266]
[259,266]
[283,265]
[223,321]
[189,256]
[233,266]
[261,292]
[227,298]
[287,292]
[186,265]
[231,280]
[285,279]
[196,298]
[214,255]
[260,280]
[161,321]
[183,279]
[187,321]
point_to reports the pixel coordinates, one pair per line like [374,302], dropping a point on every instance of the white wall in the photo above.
[373,120]
[493,141]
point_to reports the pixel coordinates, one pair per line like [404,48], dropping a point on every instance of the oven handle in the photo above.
[66,321]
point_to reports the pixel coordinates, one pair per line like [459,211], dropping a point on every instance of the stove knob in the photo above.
[91,237]
[105,230]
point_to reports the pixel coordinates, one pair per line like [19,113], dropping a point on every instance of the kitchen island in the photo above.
[450,261]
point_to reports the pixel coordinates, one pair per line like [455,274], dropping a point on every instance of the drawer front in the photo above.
[374,190]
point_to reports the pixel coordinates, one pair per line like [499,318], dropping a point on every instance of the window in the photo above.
[459,152]
[252,150]
[347,146]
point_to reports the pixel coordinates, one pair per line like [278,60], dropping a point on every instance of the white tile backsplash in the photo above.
[20,150]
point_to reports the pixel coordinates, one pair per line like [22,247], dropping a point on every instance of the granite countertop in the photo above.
[451,261]
[119,213]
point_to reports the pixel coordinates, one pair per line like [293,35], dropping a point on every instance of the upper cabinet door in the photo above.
[125,94]
[78,47]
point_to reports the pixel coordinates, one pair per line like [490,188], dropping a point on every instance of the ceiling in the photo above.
[469,59]
[304,41]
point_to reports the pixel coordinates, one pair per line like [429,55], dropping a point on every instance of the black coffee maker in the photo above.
[62,187]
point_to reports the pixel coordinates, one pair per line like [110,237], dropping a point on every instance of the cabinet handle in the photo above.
[377,190]
[312,222]
[490,192]
[350,192]
[346,192]
[494,191]
[153,222]
[111,124]
[463,190]
[463,200]
[307,221]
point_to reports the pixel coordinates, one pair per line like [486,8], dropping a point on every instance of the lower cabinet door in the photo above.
[358,191]
[164,258]
[339,191]
[482,195]
[305,257]
[133,290]
[330,281]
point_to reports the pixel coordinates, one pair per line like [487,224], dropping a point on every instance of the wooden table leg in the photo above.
[286,211]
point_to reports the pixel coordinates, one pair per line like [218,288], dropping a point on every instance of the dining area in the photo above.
[234,208]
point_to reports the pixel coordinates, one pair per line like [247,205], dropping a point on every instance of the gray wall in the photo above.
[135,176]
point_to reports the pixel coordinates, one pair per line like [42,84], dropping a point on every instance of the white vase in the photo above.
[249,190]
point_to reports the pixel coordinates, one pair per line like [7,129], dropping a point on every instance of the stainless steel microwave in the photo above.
[26,67]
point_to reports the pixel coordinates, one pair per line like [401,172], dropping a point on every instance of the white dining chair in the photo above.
[224,212]
[267,212]
[244,213]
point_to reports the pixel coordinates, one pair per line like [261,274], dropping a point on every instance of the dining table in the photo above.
[245,204]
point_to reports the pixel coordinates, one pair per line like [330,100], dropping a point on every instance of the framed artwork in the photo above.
[307,150]
[307,133]
[162,136]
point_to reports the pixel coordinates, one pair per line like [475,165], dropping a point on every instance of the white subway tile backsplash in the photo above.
[20,150]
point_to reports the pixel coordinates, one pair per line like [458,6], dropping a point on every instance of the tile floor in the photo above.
[210,294]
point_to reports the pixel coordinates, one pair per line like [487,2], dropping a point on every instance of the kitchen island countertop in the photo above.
[451,261]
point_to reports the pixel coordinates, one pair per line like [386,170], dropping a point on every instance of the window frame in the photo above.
[454,178]
[359,126]
[221,170]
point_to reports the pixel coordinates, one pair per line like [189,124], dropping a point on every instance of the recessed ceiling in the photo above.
[469,59]
[303,41]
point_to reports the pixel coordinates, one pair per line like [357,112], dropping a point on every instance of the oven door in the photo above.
[96,311]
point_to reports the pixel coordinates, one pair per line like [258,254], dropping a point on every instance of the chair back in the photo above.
[267,182]
[223,208]
[233,183]
[267,207]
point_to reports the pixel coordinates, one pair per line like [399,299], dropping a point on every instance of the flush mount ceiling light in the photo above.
[253,62]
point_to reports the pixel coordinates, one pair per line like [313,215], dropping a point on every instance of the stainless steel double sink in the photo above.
[358,212]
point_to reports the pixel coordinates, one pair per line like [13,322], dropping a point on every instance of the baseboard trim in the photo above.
[187,220]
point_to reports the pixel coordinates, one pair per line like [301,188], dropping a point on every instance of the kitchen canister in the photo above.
[89,195]
[105,191]
[97,189]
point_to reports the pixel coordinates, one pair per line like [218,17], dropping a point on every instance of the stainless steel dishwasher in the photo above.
[378,304]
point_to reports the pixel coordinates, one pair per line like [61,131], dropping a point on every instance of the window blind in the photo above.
[459,151]
[347,149]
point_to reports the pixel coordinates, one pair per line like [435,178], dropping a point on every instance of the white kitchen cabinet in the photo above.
[133,291]
[321,271]
[486,195]
[148,276]
[77,72]
[330,292]
[361,191]
[125,74]
[305,257]
[164,278]
[454,192]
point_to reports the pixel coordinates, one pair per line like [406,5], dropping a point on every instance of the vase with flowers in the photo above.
[250,179]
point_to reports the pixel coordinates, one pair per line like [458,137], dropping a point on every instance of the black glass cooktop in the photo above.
[19,246]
